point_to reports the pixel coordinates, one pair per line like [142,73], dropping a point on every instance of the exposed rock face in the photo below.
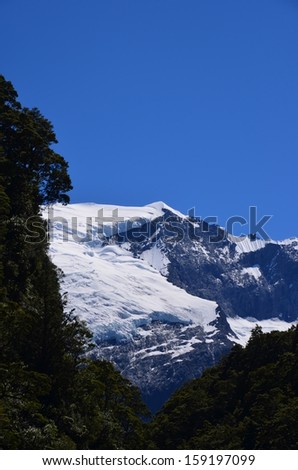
[246,278]
[162,357]
[139,285]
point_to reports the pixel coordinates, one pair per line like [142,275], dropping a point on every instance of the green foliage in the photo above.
[106,411]
[50,397]
[32,170]
[248,401]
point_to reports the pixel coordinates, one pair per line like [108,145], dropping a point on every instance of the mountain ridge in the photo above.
[162,301]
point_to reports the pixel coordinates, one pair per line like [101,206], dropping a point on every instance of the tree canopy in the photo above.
[51,396]
[248,401]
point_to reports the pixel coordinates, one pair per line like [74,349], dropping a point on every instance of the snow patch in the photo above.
[157,259]
[246,245]
[161,207]
[243,326]
[90,219]
[185,348]
[253,272]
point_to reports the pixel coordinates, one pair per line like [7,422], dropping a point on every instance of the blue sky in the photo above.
[191,102]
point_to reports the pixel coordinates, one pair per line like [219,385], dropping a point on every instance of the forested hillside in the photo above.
[248,401]
[50,397]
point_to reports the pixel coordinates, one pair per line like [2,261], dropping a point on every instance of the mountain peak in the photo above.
[161,207]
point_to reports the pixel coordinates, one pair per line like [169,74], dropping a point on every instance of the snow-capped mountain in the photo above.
[163,294]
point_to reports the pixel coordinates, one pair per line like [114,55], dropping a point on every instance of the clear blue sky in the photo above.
[194,102]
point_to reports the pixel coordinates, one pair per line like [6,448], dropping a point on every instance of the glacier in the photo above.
[163,308]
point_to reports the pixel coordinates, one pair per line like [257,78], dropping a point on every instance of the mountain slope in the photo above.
[162,300]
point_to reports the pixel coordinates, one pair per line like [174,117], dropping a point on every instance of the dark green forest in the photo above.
[51,395]
[248,401]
